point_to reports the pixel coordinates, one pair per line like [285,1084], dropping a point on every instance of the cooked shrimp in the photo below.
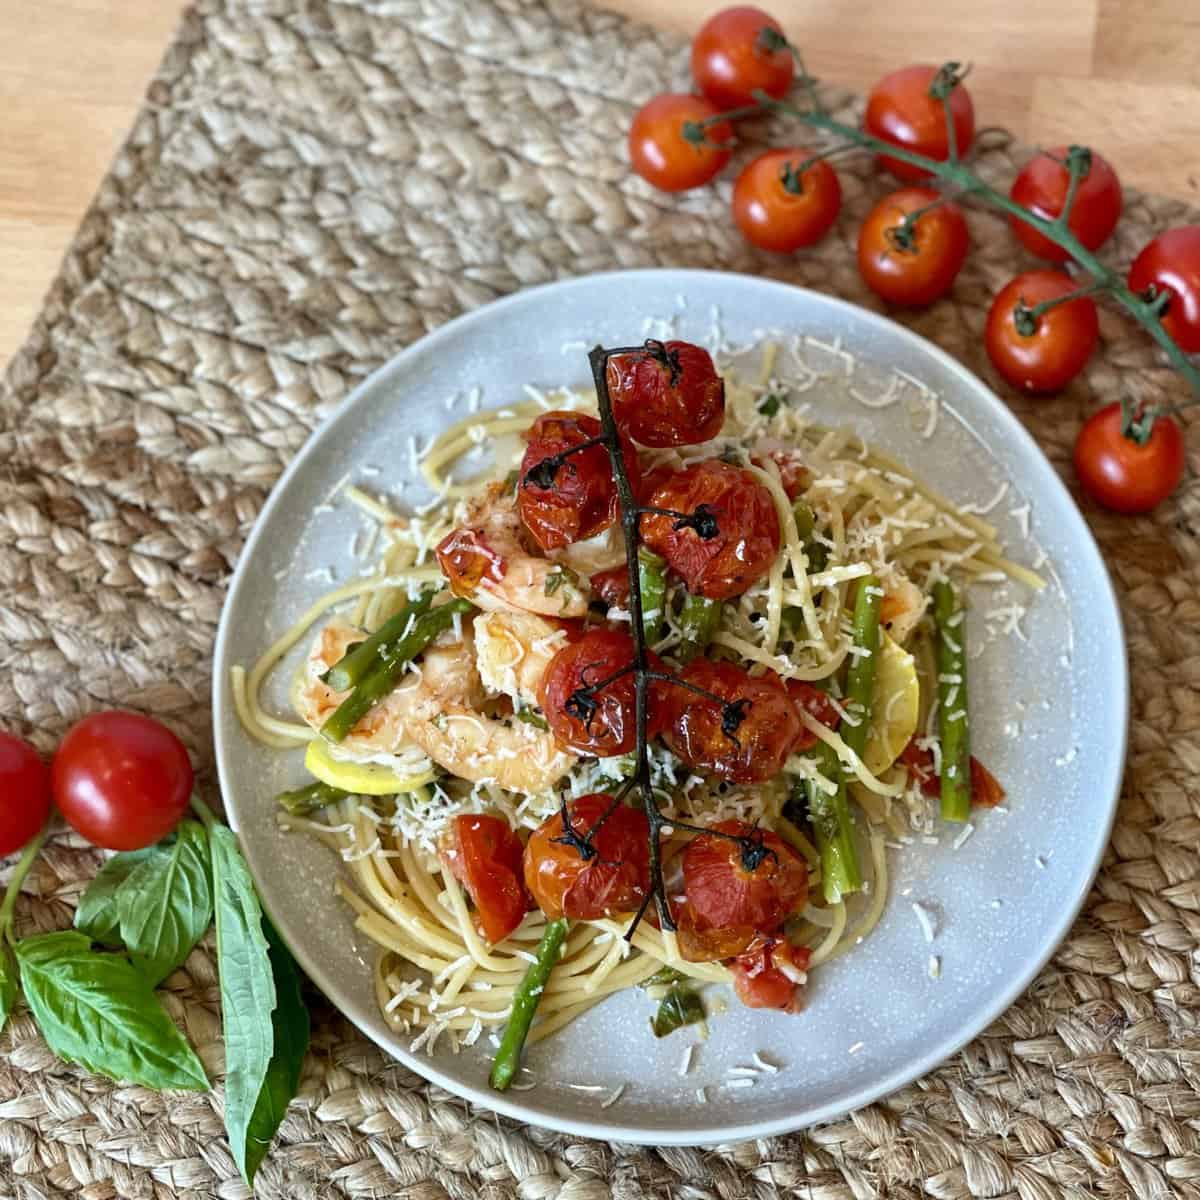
[486,560]
[437,708]
[512,651]
[902,607]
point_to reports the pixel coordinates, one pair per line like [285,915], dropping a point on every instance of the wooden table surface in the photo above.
[1120,75]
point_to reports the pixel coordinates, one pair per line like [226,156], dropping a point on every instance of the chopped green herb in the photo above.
[769,404]
[679,1007]
[531,716]
[662,976]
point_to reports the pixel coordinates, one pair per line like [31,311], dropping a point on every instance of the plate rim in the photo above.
[860,1096]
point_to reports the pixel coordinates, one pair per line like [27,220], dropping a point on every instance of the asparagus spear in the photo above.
[699,620]
[525,1001]
[382,678]
[300,802]
[361,657]
[830,814]
[653,579]
[953,725]
[806,524]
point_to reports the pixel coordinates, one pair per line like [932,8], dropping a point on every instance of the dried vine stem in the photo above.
[957,177]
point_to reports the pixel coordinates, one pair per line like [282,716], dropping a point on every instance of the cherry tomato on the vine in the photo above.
[600,722]
[121,780]
[1042,353]
[595,872]
[746,736]
[771,976]
[660,152]
[903,110]
[485,856]
[778,209]
[575,497]
[1042,187]
[1122,474]
[912,263]
[740,51]
[666,394]
[1170,264]
[753,884]
[24,793]
[728,535]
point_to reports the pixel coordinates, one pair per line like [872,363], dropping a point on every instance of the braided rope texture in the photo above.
[311,185]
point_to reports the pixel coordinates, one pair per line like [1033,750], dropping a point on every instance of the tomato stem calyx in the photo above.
[1137,421]
[1027,317]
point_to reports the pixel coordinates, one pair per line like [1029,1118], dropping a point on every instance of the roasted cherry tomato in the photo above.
[565,497]
[1042,187]
[660,152]
[912,265]
[778,209]
[747,737]
[817,704]
[740,51]
[1171,264]
[24,793]
[1122,474]
[485,856]
[592,872]
[794,476]
[727,535]
[612,586]
[904,110]
[667,394]
[772,975]
[602,722]
[1042,353]
[752,883]
[986,791]
[122,780]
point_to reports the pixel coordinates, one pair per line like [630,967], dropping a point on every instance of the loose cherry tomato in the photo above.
[778,209]
[591,872]
[912,265]
[1043,353]
[772,976]
[1042,187]
[485,856]
[612,586]
[602,722]
[661,153]
[24,793]
[740,51]
[817,704]
[986,791]
[903,110]
[1122,474]
[567,499]
[668,394]
[122,780]
[753,883]
[747,738]
[1171,264]
[728,536]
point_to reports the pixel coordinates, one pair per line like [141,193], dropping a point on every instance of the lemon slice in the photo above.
[361,779]
[895,704]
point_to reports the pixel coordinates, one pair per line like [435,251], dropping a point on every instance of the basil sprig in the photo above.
[98,1007]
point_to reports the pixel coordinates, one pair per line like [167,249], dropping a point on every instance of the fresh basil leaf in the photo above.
[663,976]
[165,903]
[247,988]
[291,1027]
[679,1007]
[9,984]
[96,1010]
[97,914]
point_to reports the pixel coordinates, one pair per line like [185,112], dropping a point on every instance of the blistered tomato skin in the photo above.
[731,538]
[749,748]
[568,499]
[485,856]
[586,884]
[668,394]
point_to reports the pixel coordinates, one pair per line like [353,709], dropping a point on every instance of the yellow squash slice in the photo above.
[361,779]
[895,705]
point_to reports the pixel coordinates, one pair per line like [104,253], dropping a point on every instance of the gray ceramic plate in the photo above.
[1049,710]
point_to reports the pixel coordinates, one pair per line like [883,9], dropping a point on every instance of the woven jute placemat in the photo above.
[311,186]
